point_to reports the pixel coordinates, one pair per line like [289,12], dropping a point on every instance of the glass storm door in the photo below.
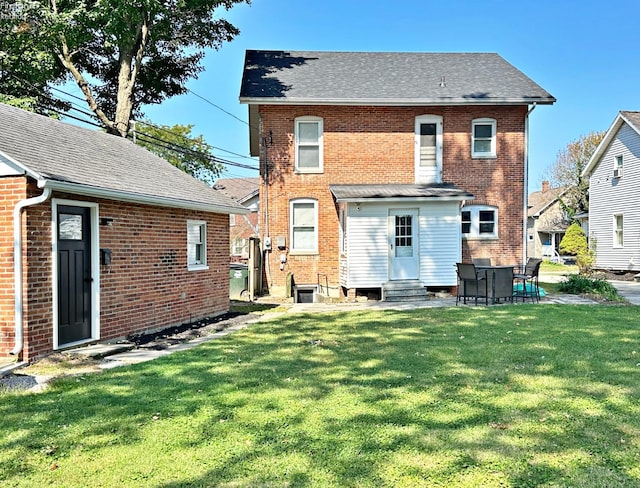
[403,247]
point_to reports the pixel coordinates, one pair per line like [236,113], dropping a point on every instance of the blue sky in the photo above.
[585,53]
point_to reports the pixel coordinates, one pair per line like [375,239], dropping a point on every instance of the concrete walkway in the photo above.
[114,355]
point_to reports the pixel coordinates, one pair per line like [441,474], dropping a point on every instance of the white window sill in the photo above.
[197,267]
[314,171]
[303,253]
[483,156]
[480,238]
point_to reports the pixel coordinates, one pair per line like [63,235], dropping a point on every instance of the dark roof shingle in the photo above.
[50,150]
[385,77]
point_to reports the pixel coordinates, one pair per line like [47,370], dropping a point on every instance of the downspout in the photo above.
[526,183]
[17,265]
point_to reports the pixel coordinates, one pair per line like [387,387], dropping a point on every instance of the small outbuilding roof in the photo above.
[440,191]
[81,161]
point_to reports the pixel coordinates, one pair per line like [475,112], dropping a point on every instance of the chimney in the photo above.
[545,186]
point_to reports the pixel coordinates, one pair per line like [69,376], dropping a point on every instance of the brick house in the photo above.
[385,167]
[245,191]
[101,238]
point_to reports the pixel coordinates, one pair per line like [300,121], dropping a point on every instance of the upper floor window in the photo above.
[483,138]
[304,226]
[479,221]
[196,244]
[617,170]
[308,142]
[428,149]
[618,227]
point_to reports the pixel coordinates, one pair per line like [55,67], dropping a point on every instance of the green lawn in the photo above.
[522,396]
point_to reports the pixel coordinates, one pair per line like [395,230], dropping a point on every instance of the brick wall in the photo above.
[13,189]
[146,287]
[376,145]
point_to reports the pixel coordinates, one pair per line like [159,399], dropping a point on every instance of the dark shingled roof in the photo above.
[390,192]
[53,151]
[385,78]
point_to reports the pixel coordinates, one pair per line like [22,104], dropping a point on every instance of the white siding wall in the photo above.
[368,243]
[367,246]
[610,196]
[440,243]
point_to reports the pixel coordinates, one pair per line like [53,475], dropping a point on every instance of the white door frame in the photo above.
[95,268]
[407,266]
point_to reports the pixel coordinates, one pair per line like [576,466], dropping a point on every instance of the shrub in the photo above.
[574,241]
[580,284]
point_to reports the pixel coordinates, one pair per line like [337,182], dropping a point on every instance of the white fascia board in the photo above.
[404,199]
[11,167]
[604,144]
[392,101]
[121,196]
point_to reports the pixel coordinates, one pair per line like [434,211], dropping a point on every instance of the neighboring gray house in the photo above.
[614,199]
[546,223]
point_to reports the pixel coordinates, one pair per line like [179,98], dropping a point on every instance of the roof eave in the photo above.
[122,196]
[460,198]
[395,101]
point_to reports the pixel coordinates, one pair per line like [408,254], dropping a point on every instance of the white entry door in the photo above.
[403,244]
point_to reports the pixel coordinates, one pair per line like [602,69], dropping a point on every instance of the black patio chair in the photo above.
[471,283]
[482,261]
[529,279]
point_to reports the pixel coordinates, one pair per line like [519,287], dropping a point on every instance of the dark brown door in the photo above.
[74,274]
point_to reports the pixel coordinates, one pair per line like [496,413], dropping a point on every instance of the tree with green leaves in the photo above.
[567,173]
[176,144]
[122,54]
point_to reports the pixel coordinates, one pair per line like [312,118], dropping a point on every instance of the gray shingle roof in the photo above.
[390,192]
[55,152]
[385,78]
[240,189]
[632,117]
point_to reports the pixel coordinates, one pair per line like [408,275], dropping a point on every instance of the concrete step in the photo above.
[404,291]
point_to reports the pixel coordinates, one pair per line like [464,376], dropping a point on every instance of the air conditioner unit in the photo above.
[617,173]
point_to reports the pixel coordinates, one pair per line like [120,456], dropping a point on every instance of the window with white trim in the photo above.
[479,222]
[618,230]
[304,226]
[196,244]
[308,144]
[239,246]
[483,138]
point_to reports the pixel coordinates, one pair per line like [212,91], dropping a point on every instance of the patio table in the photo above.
[499,281]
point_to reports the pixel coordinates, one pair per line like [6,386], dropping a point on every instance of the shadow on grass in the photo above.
[523,395]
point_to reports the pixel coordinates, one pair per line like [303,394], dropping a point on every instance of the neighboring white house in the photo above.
[614,199]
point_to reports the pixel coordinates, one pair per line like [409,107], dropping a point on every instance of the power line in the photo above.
[187,151]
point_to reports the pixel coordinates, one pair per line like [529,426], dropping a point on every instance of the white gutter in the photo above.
[526,184]
[17,265]
[397,102]
[123,196]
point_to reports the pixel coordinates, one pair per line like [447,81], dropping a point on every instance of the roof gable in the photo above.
[632,119]
[92,162]
[385,78]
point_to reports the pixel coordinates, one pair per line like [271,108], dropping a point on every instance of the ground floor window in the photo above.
[196,244]
[304,225]
[479,221]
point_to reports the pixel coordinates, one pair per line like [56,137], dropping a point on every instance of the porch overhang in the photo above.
[399,193]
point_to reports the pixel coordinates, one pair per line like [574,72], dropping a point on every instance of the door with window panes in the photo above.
[403,244]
